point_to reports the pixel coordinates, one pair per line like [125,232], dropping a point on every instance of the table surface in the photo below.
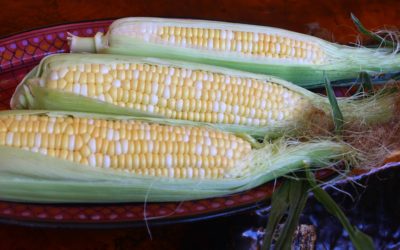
[327,19]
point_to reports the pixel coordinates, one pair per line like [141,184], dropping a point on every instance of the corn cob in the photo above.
[132,146]
[234,101]
[298,58]
[75,157]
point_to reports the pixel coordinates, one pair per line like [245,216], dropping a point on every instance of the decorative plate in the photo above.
[18,55]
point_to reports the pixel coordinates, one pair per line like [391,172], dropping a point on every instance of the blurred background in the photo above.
[372,208]
[326,19]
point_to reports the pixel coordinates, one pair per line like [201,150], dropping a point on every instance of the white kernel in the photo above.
[102,98]
[223,34]
[222,107]
[229,153]
[185,138]
[207,141]
[234,144]
[184,72]
[227,79]
[154,99]
[84,90]
[189,172]
[92,160]
[77,88]
[104,69]
[116,83]
[71,142]
[154,88]
[235,109]
[110,134]
[125,146]
[38,140]
[249,121]
[50,127]
[277,48]
[230,35]
[199,162]
[255,37]
[106,161]
[199,85]
[168,160]
[179,105]
[81,67]
[167,93]
[220,117]
[263,104]
[92,145]
[150,146]
[199,149]
[167,80]
[171,71]
[9,139]
[239,46]
[35,149]
[213,151]
[150,108]
[171,39]
[148,135]
[183,42]
[249,83]
[118,148]
[252,112]
[136,74]
[116,136]
[53,76]
[280,116]
[202,172]
[216,106]
[210,44]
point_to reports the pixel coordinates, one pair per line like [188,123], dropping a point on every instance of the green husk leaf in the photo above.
[340,63]
[32,177]
[360,240]
[336,112]
[290,198]
[371,34]
[298,195]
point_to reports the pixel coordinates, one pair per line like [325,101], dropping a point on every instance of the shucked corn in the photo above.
[298,58]
[132,146]
[180,93]
[245,43]
[83,157]
[166,89]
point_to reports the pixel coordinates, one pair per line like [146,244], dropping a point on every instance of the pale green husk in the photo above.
[342,62]
[31,177]
[31,95]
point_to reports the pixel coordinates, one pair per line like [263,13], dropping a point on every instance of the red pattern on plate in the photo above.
[18,55]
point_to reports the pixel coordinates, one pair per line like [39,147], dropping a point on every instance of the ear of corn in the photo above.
[233,101]
[298,58]
[38,164]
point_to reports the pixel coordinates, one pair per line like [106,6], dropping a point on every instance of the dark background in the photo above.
[326,19]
